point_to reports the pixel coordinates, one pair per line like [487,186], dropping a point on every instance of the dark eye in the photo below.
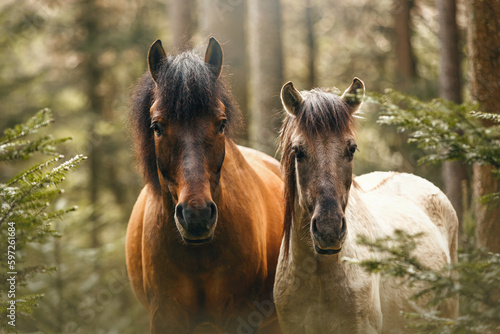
[222,125]
[157,128]
[352,149]
[299,153]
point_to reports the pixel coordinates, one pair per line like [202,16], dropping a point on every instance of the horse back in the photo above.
[259,160]
[422,193]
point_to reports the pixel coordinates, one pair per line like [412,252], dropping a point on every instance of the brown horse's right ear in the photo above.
[214,56]
[155,56]
[290,98]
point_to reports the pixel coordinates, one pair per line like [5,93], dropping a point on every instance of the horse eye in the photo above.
[299,153]
[222,125]
[157,128]
[352,149]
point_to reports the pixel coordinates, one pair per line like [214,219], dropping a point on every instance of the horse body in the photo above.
[315,291]
[204,235]
[215,282]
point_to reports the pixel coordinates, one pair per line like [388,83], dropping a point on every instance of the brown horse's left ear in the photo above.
[354,94]
[214,56]
[155,56]
[291,98]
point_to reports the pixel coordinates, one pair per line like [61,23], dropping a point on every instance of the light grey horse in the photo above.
[326,209]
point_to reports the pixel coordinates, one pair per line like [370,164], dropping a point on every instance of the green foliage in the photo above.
[475,279]
[25,199]
[443,129]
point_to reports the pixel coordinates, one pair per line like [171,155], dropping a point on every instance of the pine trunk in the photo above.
[311,46]
[181,24]
[226,22]
[454,173]
[266,73]
[93,74]
[405,60]
[484,60]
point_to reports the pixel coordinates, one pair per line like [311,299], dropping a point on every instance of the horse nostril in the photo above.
[213,214]
[314,228]
[179,213]
[343,227]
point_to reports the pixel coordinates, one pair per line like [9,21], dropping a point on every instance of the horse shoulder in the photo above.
[134,246]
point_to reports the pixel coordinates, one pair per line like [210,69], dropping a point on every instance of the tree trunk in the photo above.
[484,60]
[226,22]
[92,78]
[405,60]
[311,45]
[266,72]
[181,24]
[454,173]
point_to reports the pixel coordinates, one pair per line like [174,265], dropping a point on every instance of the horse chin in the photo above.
[322,251]
[198,241]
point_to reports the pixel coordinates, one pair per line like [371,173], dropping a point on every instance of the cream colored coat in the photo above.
[322,294]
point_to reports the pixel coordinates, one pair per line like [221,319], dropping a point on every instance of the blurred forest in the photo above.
[81,59]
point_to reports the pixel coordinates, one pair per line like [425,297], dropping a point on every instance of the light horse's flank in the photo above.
[204,235]
[326,209]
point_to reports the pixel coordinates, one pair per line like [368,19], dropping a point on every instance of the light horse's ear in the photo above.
[155,55]
[291,98]
[214,56]
[354,94]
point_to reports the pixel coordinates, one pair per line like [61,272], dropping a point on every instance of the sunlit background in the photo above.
[82,58]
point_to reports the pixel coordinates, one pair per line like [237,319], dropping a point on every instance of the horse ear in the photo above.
[214,56]
[354,94]
[290,98]
[155,56]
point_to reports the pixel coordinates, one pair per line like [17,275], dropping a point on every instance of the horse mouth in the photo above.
[326,251]
[197,241]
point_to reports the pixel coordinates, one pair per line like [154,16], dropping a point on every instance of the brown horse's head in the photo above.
[318,145]
[182,139]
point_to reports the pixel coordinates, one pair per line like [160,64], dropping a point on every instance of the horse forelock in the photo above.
[185,90]
[321,112]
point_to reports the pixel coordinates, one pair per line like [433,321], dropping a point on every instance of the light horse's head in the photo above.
[190,114]
[318,145]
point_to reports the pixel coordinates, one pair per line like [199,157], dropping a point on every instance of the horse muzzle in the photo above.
[328,237]
[196,224]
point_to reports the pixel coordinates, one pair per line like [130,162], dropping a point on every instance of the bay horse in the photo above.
[326,208]
[203,238]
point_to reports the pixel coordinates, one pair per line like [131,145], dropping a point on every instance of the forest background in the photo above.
[81,59]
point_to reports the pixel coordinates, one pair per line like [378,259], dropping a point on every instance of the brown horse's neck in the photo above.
[231,233]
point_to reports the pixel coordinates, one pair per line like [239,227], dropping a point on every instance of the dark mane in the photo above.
[320,112]
[186,88]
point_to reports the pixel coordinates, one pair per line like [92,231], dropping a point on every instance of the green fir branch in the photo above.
[26,198]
